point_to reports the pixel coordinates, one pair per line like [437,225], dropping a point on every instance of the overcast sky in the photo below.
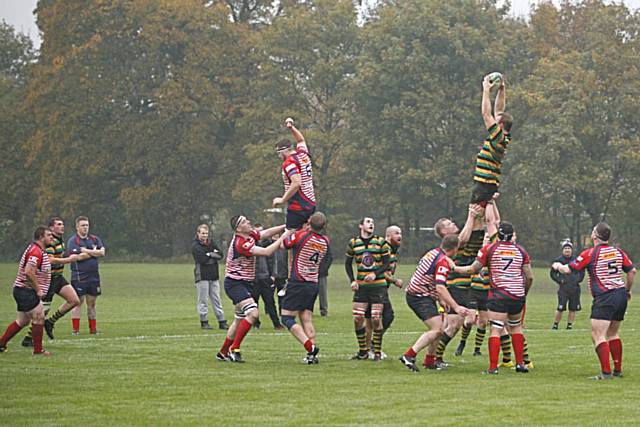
[19,13]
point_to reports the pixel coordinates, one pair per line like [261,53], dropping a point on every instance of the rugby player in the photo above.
[240,273]
[371,254]
[308,248]
[297,174]
[605,264]
[511,278]
[426,288]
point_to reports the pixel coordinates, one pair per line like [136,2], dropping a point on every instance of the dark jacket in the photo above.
[279,262]
[263,267]
[566,279]
[206,256]
[323,270]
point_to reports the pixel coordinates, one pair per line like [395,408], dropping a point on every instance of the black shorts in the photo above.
[483,192]
[57,283]
[500,303]
[424,307]
[238,290]
[87,288]
[610,306]
[459,295]
[371,294]
[387,312]
[478,299]
[569,296]
[296,219]
[26,298]
[300,296]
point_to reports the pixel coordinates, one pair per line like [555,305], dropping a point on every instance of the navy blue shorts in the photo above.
[296,219]
[610,305]
[460,296]
[499,303]
[569,296]
[478,299]
[26,299]
[424,307]
[300,296]
[57,283]
[237,290]
[87,288]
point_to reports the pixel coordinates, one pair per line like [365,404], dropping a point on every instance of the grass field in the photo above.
[152,365]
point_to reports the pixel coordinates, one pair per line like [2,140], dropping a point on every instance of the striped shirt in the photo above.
[393,261]
[36,257]
[299,163]
[432,270]
[368,255]
[489,159]
[56,250]
[241,264]
[480,281]
[308,249]
[505,261]
[465,256]
[605,264]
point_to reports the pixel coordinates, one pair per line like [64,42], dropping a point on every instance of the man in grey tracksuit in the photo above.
[206,255]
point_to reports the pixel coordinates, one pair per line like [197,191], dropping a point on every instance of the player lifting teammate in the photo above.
[605,264]
[297,173]
[240,273]
[308,249]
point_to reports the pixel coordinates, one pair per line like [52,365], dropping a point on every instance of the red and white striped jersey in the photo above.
[432,270]
[299,163]
[36,257]
[308,249]
[605,264]
[505,261]
[241,264]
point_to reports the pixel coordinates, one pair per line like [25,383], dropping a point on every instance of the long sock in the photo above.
[480,333]
[603,354]
[411,352]
[225,345]
[442,345]
[308,345]
[11,331]
[361,335]
[377,341]
[494,352]
[429,360]
[37,338]
[92,325]
[615,346]
[241,331]
[56,316]
[505,344]
[466,330]
[75,324]
[518,344]
[525,351]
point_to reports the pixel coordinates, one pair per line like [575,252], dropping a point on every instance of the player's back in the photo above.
[506,262]
[308,249]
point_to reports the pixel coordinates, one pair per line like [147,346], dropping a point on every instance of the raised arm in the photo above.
[264,234]
[488,118]
[269,250]
[300,142]
[296,183]
[470,223]
[469,269]
[492,218]
[500,102]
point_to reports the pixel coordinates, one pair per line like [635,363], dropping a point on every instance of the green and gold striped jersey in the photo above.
[368,255]
[56,250]
[393,261]
[465,256]
[489,159]
[481,280]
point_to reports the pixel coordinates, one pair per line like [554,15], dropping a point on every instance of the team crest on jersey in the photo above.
[247,244]
[367,259]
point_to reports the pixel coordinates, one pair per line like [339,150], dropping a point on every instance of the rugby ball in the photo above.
[495,78]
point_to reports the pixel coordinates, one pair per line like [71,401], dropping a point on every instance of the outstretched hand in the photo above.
[288,122]
[486,84]
[277,201]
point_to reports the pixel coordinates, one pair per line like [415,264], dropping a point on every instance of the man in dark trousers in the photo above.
[568,287]
[206,255]
[323,275]
[279,263]
[263,285]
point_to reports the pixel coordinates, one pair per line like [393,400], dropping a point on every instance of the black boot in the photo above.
[204,324]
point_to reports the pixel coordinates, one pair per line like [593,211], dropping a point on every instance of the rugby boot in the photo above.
[522,369]
[409,362]
[602,376]
[27,342]
[360,355]
[490,372]
[48,328]
[222,357]
[460,348]
[235,356]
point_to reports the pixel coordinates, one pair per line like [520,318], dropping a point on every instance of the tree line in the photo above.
[151,117]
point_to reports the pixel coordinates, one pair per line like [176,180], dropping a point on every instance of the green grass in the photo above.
[152,365]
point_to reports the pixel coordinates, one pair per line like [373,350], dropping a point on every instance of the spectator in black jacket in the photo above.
[323,274]
[569,287]
[279,262]
[263,285]
[206,255]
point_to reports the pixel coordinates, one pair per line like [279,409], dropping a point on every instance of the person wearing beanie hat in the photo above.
[568,287]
